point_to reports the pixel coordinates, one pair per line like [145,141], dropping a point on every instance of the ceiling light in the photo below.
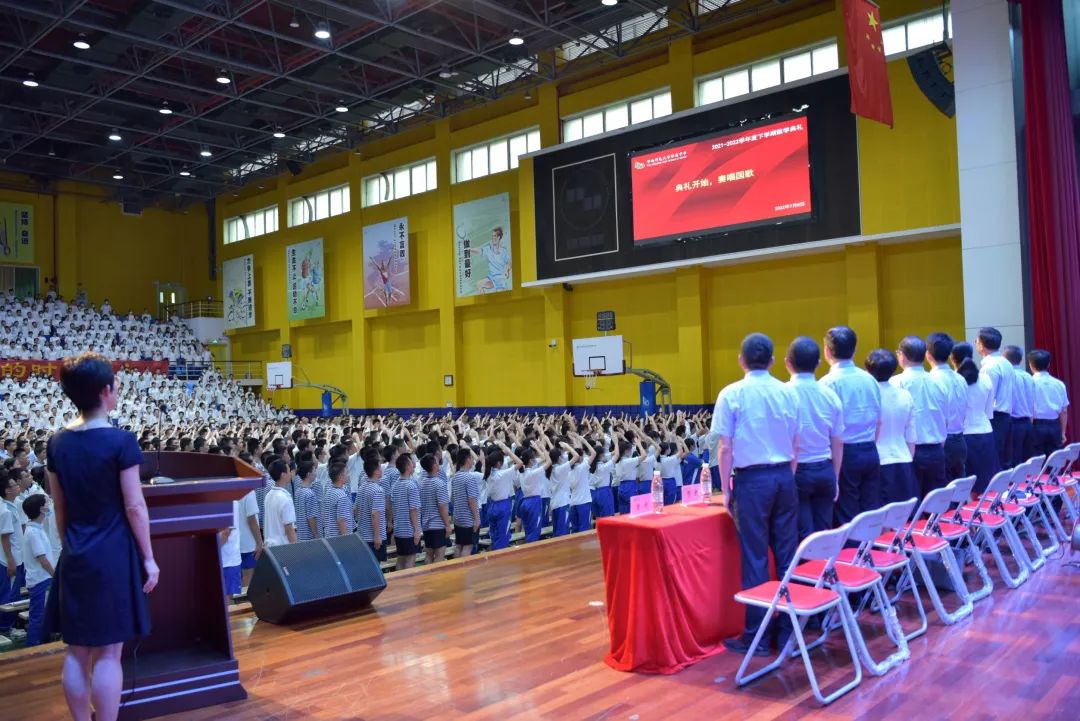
[322,32]
[81,43]
[342,109]
[185,173]
[295,22]
[115,136]
[30,82]
[223,77]
[447,72]
[205,152]
[118,175]
[278,134]
[609,3]
[165,109]
[516,39]
[52,151]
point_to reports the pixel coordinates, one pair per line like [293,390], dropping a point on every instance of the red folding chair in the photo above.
[857,576]
[1044,485]
[1033,511]
[799,602]
[989,517]
[1057,482]
[892,558]
[965,542]
[924,538]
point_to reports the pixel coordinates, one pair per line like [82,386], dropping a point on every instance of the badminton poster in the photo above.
[304,279]
[238,280]
[386,264]
[482,242]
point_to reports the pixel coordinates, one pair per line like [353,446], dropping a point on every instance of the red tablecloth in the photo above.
[670,581]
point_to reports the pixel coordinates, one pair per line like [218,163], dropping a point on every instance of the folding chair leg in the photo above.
[1055,519]
[892,629]
[1051,533]
[741,678]
[805,653]
[1037,558]
[906,582]
[976,558]
[1015,548]
[949,562]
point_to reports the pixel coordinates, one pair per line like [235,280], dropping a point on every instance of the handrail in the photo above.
[237,370]
[208,308]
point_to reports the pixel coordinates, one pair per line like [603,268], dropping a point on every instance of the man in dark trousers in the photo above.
[931,406]
[938,348]
[756,421]
[860,397]
[1002,377]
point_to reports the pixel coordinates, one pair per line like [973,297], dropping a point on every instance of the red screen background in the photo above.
[733,179]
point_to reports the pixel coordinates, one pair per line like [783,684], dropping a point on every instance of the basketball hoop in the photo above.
[590,380]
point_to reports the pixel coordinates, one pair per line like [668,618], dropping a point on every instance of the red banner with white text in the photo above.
[22,369]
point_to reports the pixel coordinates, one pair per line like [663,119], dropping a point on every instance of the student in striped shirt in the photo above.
[390,476]
[336,509]
[307,502]
[465,492]
[501,476]
[371,508]
[406,505]
[434,516]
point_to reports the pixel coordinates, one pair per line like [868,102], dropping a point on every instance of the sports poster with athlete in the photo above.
[386,264]
[238,284]
[482,242]
[304,280]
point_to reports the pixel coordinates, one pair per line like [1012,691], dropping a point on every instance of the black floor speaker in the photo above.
[304,580]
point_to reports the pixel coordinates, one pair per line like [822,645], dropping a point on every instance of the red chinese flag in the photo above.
[868,74]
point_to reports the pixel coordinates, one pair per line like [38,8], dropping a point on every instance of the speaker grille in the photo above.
[357,560]
[311,576]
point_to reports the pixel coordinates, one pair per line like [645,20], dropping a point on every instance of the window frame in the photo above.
[464,156]
[385,182]
[312,202]
[747,70]
[246,222]
[601,112]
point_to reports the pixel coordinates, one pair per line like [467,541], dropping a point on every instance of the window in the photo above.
[916,32]
[399,183]
[619,115]
[494,156]
[250,225]
[319,206]
[769,73]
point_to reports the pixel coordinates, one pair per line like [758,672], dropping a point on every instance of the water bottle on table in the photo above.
[657,492]
[706,484]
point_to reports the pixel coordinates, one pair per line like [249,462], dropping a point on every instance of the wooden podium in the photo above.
[187,660]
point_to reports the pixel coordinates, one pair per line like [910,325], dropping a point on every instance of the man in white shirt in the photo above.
[280,512]
[820,444]
[1002,377]
[930,401]
[756,420]
[938,348]
[1023,406]
[1051,406]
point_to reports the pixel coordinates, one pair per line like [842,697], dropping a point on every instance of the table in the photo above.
[670,580]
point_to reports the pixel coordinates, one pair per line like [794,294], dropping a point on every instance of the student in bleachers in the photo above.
[336,508]
[39,561]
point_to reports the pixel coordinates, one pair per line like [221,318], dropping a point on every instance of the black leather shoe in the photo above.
[741,645]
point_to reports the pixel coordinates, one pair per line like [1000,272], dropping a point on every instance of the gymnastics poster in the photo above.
[16,233]
[482,242]
[386,264]
[304,280]
[238,286]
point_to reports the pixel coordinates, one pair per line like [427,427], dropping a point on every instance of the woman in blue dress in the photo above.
[98,598]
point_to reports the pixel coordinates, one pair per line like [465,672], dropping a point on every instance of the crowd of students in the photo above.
[50,328]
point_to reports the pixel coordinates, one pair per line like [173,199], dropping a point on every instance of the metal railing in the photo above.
[237,370]
[193,309]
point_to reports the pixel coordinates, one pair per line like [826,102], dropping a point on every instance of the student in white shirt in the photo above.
[11,533]
[600,478]
[626,471]
[563,459]
[39,562]
[896,431]
[1002,377]
[1023,406]
[982,459]
[1051,405]
[533,480]
[580,497]
[280,512]
[670,464]
[229,540]
[501,470]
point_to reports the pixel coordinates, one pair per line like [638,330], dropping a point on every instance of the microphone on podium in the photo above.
[158,479]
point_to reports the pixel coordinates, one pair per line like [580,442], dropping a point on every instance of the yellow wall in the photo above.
[82,237]
[684,324]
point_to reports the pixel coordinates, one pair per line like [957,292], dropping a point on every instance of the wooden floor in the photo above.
[522,634]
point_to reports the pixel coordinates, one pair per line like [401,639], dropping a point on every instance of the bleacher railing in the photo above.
[237,370]
[193,309]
